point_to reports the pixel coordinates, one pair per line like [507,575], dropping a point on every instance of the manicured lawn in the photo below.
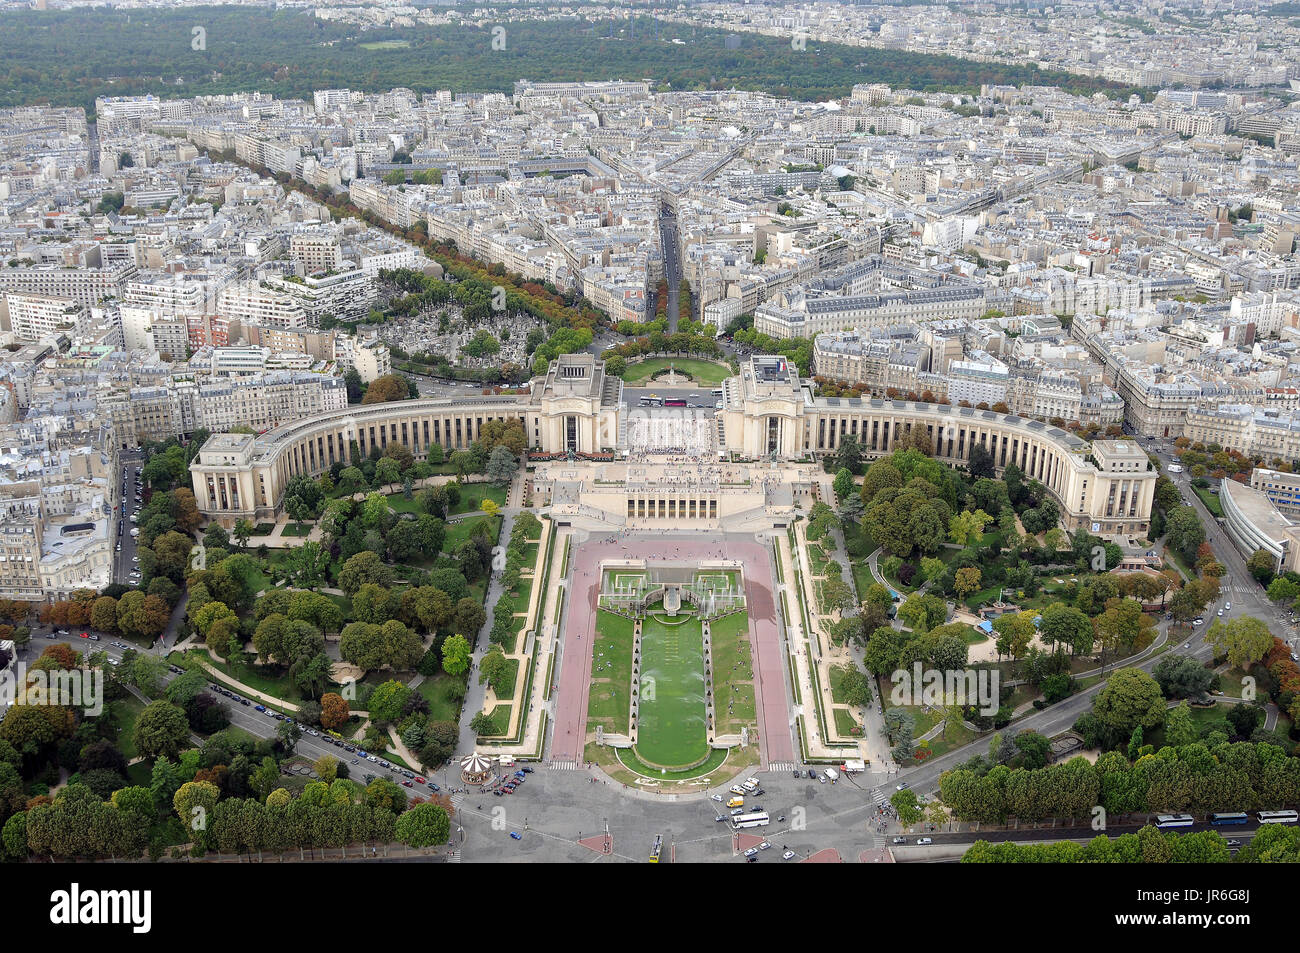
[611,672]
[125,712]
[258,677]
[263,529]
[845,723]
[472,496]
[297,529]
[519,602]
[733,674]
[1211,500]
[437,691]
[704,372]
[461,530]
[671,719]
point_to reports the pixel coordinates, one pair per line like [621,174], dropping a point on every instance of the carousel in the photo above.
[475,769]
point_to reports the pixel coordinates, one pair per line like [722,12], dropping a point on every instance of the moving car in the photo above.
[923,841]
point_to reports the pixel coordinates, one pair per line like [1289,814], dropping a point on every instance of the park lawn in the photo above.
[258,677]
[733,674]
[1211,501]
[461,530]
[475,494]
[671,724]
[1230,681]
[386,45]
[611,672]
[501,715]
[519,599]
[837,683]
[437,691]
[530,556]
[705,373]
[845,723]
[958,735]
[263,529]
[536,533]
[297,529]
[862,577]
[125,712]
[398,503]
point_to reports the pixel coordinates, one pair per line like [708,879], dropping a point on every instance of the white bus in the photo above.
[1174,820]
[1278,817]
[755,819]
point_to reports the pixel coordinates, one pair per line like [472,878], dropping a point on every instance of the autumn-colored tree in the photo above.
[334,711]
[386,388]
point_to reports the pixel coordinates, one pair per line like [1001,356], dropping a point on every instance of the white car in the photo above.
[751,852]
[1228,606]
[1198,622]
[716,797]
[764,846]
[788,855]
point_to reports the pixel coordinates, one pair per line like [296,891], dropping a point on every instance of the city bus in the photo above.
[1229,818]
[651,401]
[1174,820]
[1278,817]
[656,848]
[754,819]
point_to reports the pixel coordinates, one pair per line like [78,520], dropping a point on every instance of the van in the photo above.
[749,786]
[736,802]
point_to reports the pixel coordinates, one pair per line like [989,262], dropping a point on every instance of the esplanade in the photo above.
[768,414]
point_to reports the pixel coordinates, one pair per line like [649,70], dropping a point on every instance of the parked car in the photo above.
[924,841]
[788,855]
[515,835]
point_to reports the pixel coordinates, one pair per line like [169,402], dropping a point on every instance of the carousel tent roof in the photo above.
[476,764]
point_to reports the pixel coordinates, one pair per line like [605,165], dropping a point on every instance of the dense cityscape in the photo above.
[657,453]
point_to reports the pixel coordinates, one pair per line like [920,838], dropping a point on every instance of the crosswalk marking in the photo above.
[782,766]
[563,766]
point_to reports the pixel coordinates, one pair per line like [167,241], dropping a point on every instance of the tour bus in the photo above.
[1175,820]
[674,402]
[1274,817]
[1230,818]
[753,819]
[656,848]
[651,401]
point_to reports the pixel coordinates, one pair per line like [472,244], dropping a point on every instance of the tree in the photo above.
[908,808]
[1185,532]
[469,617]
[334,711]
[966,581]
[484,724]
[387,388]
[455,655]
[243,530]
[364,567]
[1180,728]
[843,484]
[162,730]
[1243,640]
[502,465]
[1130,699]
[1261,565]
[424,825]
[966,527]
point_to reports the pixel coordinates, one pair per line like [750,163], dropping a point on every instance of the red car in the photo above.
[420,780]
[405,783]
[85,635]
